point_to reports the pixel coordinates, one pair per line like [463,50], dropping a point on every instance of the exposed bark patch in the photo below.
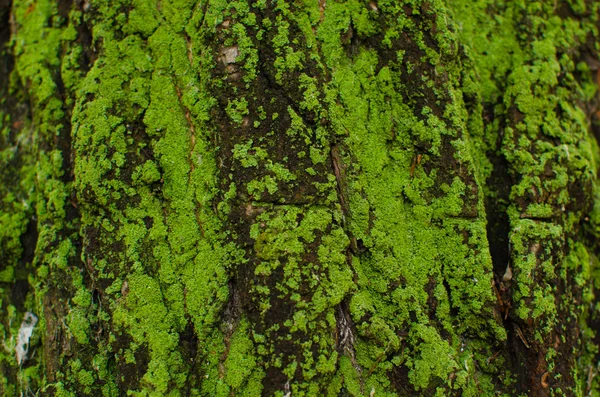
[188,343]
[29,242]
[129,371]
[345,332]
[86,40]
[64,6]
[5,10]
[57,338]
[496,204]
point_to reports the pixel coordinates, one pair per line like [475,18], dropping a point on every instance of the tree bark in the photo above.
[344,198]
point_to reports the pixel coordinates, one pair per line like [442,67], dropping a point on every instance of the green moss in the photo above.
[315,288]
[7,275]
[401,113]
[257,187]
[546,144]
[434,358]
[241,372]
[249,155]
[237,109]
[176,241]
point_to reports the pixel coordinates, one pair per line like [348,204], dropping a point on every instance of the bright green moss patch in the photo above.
[237,109]
[434,358]
[241,371]
[248,155]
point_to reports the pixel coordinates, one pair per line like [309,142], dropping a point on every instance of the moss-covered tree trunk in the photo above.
[299,198]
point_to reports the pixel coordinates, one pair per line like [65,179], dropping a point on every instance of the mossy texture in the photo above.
[273,198]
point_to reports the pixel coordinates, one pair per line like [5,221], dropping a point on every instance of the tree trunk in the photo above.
[281,198]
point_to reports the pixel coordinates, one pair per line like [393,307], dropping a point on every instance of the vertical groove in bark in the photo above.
[539,100]
[57,269]
[18,233]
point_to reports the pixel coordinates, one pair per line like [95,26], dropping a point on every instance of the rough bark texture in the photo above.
[344,198]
